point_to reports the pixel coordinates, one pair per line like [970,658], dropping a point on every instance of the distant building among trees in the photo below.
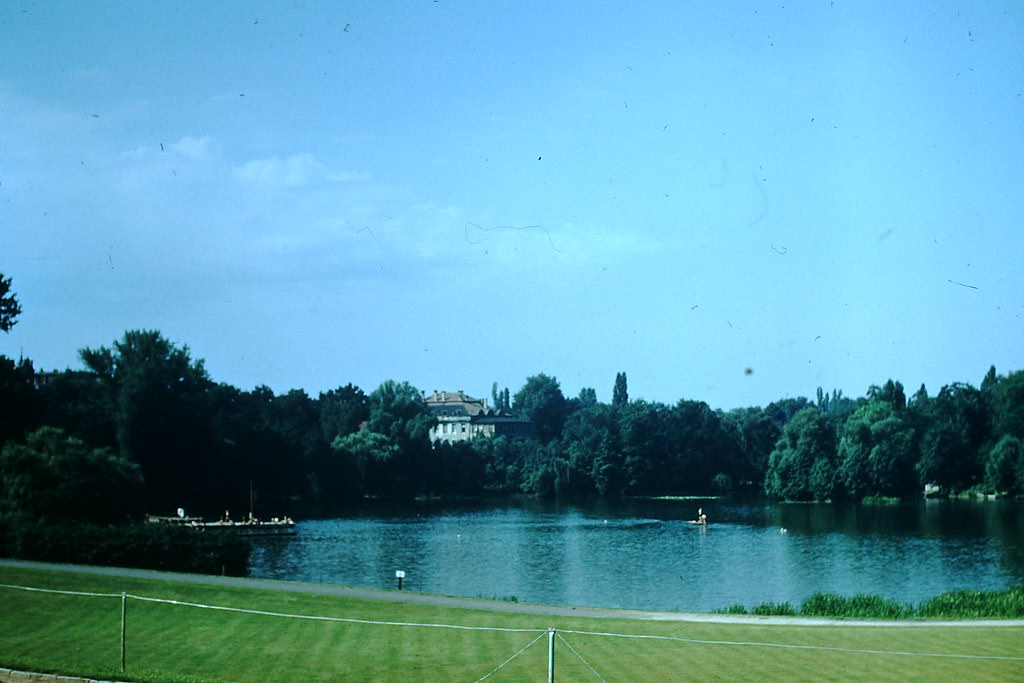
[461,417]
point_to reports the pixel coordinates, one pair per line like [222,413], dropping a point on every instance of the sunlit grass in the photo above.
[166,642]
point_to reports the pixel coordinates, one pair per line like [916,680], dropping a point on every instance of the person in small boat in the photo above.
[701,517]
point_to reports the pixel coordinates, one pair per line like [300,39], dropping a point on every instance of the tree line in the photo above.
[143,428]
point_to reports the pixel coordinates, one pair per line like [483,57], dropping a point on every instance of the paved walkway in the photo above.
[488,605]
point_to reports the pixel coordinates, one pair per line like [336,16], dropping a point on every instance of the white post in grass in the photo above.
[124,609]
[551,655]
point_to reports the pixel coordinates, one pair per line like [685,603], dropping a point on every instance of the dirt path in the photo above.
[484,604]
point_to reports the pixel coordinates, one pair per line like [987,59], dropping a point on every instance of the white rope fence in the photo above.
[551,632]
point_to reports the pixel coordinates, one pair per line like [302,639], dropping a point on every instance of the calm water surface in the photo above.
[645,554]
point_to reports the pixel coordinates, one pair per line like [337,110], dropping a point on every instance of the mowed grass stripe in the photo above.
[180,643]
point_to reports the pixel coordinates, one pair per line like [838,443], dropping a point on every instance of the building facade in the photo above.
[461,417]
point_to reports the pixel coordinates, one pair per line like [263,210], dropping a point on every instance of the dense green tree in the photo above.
[754,435]
[647,448]
[592,445]
[587,398]
[399,464]
[19,404]
[782,411]
[161,415]
[802,465]
[500,398]
[80,403]
[541,401]
[890,392]
[958,426]
[398,411]
[55,477]
[877,452]
[1006,401]
[620,394]
[503,461]
[1004,470]
[700,447]
[10,309]
[458,469]
[377,460]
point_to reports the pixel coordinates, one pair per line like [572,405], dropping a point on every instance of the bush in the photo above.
[823,605]
[142,546]
[735,609]
[857,607]
[974,604]
[772,609]
[1008,604]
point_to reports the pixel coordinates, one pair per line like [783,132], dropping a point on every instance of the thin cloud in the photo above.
[294,171]
[196,148]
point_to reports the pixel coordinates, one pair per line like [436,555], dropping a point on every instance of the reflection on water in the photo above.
[645,554]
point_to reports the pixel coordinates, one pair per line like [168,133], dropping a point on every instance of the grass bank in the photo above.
[963,604]
[394,641]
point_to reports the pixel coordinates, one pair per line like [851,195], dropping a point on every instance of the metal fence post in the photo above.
[551,655]
[124,614]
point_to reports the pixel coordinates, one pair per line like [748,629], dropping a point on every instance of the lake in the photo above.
[645,554]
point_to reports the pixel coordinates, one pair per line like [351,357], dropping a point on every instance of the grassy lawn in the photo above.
[167,642]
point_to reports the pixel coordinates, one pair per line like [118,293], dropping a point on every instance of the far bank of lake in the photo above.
[646,554]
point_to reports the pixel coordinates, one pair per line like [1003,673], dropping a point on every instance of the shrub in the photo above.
[968,604]
[143,546]
[772,609]
[735,609]
[823,605]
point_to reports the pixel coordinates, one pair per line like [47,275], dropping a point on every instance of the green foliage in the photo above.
[802,466]
[1005,469]
[774,609]
[620,394]
[143,546]
[950,448]
[890,393]
[877,451]
[200,445]
[735,609]
[19,403]
[858,607]
[1008,604]
[398,411]
[1005,398]
[54,477]
[342,410]
[969,604]
[541,401]
[375,457]
[10,309]
[158,397]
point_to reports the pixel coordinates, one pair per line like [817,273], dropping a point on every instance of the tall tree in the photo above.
[342,410]
[19,405]
[541,400]
[158,396]
[54,477]
[802,466]
[960,424]
[9,306]
[620,394]
[890,392]
[1004,470]
[877,451]
[587,397]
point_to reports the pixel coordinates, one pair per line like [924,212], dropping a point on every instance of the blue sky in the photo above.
[732,202]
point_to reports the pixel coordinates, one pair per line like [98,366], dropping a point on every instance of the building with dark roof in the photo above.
[461,417]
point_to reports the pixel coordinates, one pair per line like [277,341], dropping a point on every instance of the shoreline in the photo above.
[494,605]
